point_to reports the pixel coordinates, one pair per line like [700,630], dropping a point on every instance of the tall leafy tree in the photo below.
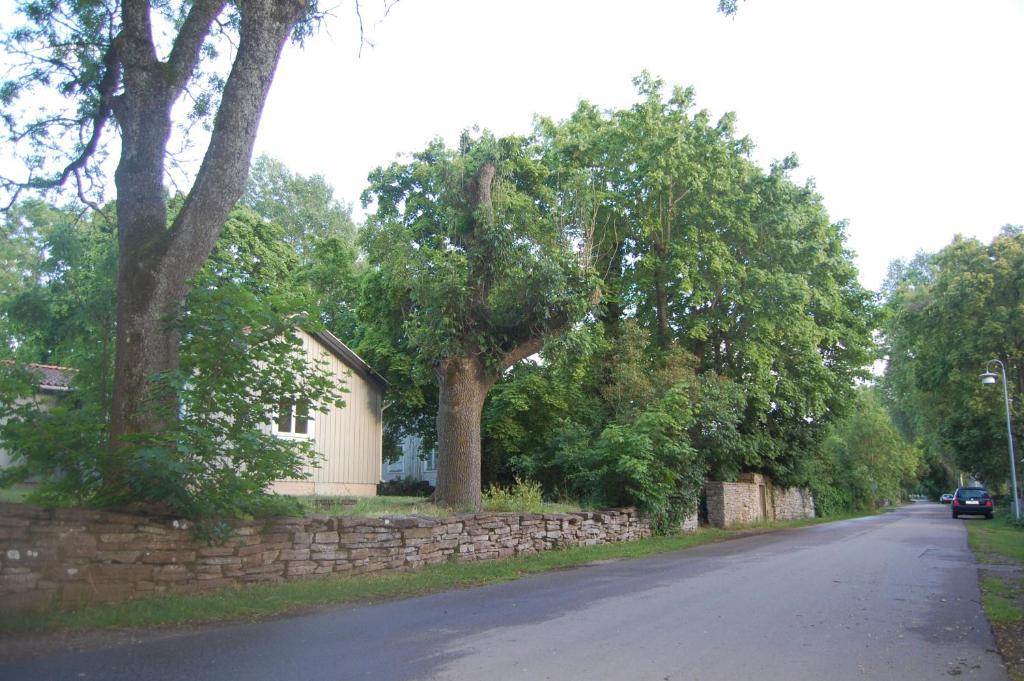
[320,230]
[61,310]
[240,359]
[864,459]
[107,70]
[723,284]
[304,207]
[740,267]
[950,312]
[475,260]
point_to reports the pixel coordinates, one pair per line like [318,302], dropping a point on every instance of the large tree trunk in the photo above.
[464,384]
[143,347]
[156,261]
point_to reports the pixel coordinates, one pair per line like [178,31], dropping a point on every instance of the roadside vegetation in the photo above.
[15,494]
[1000,543]
[521,498]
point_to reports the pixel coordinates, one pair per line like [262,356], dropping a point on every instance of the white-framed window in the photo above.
[294,419]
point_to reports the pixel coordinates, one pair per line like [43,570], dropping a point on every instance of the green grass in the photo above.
[257,601]
[997,540]
[1001,541]
[15,494]
[999,597]
[373,507]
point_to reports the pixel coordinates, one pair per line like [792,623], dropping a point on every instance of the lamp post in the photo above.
[989,378]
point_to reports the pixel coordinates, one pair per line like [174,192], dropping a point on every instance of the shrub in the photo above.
[523,496]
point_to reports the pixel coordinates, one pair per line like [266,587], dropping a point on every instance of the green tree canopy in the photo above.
[304,207]
[949,313]
[474,266]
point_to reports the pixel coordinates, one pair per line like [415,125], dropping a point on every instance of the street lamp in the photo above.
[989,378]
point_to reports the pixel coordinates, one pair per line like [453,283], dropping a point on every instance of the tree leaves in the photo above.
[949,313]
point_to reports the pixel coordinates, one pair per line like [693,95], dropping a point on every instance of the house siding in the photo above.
[410,465]
[348,439]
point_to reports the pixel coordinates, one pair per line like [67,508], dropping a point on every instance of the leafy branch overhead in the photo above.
[83,60]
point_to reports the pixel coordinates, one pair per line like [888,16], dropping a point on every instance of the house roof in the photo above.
[349,357]
[52,378]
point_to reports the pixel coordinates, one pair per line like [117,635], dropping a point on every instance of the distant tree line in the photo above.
[947,314]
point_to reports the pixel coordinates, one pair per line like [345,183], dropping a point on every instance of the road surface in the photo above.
[893,596]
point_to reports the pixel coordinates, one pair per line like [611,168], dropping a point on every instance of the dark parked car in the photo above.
[972,501]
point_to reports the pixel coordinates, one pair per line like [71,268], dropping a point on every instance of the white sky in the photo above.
[906,112]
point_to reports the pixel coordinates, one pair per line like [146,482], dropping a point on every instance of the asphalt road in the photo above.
[887,597]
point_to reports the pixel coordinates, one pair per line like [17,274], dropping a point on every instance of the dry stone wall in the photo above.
[78,557]
[732,503]
[793,503]
[755,498]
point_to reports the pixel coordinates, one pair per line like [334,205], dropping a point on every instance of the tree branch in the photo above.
[185,52]
[136,34]
[107,88]
[265,26]
[522,351]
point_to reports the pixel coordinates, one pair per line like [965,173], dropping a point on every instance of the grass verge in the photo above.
[1001,542]
[258,601]
[373,507]
[15,494]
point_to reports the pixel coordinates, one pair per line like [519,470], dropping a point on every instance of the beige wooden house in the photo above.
[349,440]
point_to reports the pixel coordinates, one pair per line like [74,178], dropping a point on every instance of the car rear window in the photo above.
[972,494]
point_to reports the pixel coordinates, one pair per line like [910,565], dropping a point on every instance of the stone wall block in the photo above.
[171,573]
[325,538]
[300,568]
[214,551]
[14,583]
[114,572]
[251,561]
[269,569]
[118,556]
[76,558]
[10,522]
[276,538]
[250,550]
[161,557]
[205,572]
[331,554]
[418,533]
[219,560]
